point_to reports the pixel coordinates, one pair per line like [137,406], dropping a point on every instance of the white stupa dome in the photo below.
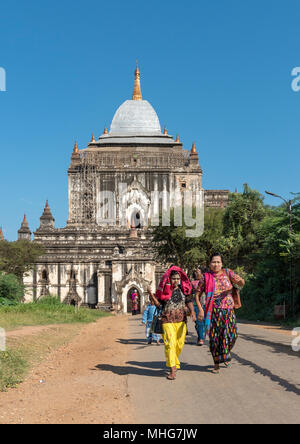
[135,117]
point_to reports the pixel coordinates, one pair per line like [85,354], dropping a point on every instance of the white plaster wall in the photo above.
[79,270]
[150,274]
[53,278]
[101,287]
[64,293]
[117,272]
[28,283]
[64,276]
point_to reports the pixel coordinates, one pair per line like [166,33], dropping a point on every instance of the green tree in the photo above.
[276,262]
[18,257]
[10,289]
[242,220]
[172,246]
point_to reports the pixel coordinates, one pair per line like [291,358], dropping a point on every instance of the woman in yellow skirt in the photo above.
[174,297]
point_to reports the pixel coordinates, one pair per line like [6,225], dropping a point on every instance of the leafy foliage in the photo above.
[17,257]
[11,291]
[254,239]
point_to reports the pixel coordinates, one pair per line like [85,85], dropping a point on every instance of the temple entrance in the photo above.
[135,220]
[133,291]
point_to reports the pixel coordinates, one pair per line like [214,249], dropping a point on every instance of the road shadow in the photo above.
[184,366]
[276,346]
[141,342]
[152,369]
[264,372]
[131,370]
[131,341]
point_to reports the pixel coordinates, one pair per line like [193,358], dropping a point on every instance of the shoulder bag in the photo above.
[235,293]
[156,325]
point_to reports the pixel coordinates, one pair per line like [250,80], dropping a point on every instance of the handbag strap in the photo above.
[158,311]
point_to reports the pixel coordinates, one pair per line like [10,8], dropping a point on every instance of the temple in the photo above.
[118,185]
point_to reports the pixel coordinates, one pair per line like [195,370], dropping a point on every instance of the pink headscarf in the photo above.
[165,288]
[133,295]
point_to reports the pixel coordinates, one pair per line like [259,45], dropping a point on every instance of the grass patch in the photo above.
[49,311]
[13,367]
[25,352]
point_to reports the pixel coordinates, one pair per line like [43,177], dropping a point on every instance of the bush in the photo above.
[7,302]
[10,288]
[48,300]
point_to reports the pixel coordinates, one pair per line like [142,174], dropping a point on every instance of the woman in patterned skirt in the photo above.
[219,313]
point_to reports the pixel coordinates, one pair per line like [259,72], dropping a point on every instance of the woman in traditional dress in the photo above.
[134,302]
[199,325]
[174,296]
[219,316]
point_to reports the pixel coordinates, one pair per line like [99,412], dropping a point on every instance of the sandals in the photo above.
[171,377]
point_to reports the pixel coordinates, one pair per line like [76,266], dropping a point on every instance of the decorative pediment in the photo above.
[134,201]
[132,278]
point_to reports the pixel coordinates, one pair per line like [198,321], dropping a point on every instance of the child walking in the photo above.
[147,320]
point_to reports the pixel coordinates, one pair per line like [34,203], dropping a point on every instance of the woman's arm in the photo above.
[236,279]
[155,300]
[190,306]
[201,312]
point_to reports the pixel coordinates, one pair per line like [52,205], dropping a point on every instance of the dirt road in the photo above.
[109,375]
[69,387]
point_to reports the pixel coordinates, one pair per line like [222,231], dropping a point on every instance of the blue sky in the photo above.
[218,73]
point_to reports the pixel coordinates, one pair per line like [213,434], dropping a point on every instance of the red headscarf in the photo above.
[165,288]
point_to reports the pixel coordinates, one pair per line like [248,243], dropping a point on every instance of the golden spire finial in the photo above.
[93,138]
[75,147]
[177,138]
[165,130]
[105,130]
[194,151]
[137,94]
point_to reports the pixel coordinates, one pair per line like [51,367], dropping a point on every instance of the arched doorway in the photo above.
[130,292]
[136,221]
[44,284]
[92,291]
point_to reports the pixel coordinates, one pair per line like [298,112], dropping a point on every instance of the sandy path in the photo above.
[31,330]
[74,388]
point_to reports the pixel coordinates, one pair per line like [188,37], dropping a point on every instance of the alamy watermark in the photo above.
[135,208]
[296,340]
[2,339]
[295,85]
[2,79]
